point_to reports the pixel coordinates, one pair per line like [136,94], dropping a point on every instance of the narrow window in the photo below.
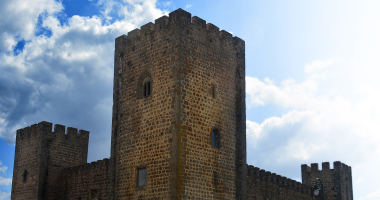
[215,138]
[215,179]
[145,85]
[148,87]
[94,194]
[25,176]
[145,90]
[141,177]
[213,91]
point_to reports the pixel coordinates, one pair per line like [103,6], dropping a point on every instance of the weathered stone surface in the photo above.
[44,154]
[263,185]
[337,182]
[198,75]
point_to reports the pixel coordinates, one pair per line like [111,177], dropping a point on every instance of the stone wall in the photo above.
[26,163]
[337,182]
[212,91]
[198,84]
[88,181]
[263,185]
[44,153]
[143,128]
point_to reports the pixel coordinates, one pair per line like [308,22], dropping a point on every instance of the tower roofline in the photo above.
[179,17]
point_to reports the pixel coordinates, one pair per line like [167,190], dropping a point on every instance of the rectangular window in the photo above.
[213,138]
[141,177]
[94,194]
[213,91]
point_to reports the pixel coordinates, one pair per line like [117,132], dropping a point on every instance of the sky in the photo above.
[312,67]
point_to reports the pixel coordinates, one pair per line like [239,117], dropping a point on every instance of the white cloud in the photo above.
[188,5]
[3,168]
[5,195]
[372,196]
[18,19]
[166,3]
[4,181]
[318,65]
[319,124]
[65,77]
[290,94]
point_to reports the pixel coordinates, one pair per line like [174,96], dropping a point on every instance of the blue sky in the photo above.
[311,73]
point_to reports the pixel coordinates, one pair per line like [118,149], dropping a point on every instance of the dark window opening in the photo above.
[215,138]
[94,194]
[25,176]
[215,178]
[213,91]
[145,85]
[146,88]
[141,177]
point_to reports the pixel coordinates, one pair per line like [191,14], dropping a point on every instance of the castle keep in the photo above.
[178,129]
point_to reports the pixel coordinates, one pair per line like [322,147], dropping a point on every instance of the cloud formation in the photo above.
[19,18]
[5,195]
[4,181]
[318,124]
[64,75]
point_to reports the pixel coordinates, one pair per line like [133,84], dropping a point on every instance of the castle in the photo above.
[178,129]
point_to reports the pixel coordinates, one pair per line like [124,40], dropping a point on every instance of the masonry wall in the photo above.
[64,149]
[212,85]
[263,185]
[44,153]
[143,128]
[169,132]
[26,159]
[88,181]
[337,182]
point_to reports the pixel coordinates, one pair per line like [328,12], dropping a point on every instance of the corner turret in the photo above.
[337,182]
[41,154]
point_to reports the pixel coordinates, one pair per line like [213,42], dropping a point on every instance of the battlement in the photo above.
[182,18]
[99,164]
[46,128]
[281,181]
[337,181]
[325,167]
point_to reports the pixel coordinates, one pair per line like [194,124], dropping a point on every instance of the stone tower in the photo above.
[337,182]
[179,112]
[41,154]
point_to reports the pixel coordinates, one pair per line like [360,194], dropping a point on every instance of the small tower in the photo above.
[337,182]
[178,124]
[41,154]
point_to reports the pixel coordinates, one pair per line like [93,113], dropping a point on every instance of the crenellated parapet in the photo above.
[314,168]
[182,19]
[45,128]
[42,153]
[87,168]
[262,178]
[79,182]
[337,181]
